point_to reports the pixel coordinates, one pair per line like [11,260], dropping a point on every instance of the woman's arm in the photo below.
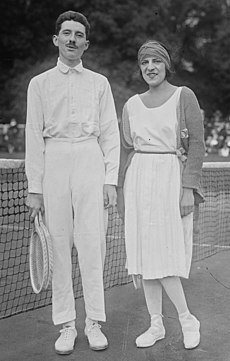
[190,109]
[126,146]
[125,157]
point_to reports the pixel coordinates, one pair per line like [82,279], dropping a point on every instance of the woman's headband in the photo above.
[154,49]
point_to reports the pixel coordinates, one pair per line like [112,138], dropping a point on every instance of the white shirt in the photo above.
[74,104]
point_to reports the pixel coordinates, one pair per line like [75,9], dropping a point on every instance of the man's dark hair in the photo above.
[75,16]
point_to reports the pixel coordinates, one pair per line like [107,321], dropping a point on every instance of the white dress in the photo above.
[158,240]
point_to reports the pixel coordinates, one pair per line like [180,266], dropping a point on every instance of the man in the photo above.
[72,156]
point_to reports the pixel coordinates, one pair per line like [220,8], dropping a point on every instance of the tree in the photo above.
[197,31]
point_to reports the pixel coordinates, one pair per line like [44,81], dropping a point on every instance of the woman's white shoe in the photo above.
[190,329]
[154,333]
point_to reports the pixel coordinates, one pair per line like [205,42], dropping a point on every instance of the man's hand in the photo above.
[109,195]
[34,202]
[186,202]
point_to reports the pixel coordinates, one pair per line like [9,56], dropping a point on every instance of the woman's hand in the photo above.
[120,203]
[186,202]
[109,195]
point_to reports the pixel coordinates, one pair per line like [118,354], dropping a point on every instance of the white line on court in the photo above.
[20,228]
[210,245]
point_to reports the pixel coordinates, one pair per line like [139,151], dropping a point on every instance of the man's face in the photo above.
[71,42]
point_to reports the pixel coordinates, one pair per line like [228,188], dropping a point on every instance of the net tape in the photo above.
[16,294]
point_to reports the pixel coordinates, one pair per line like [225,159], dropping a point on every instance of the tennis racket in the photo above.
[40,256]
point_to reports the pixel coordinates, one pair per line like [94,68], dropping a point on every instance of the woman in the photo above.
[161,161]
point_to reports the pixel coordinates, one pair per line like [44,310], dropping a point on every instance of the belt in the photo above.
[71,140]
[146,152]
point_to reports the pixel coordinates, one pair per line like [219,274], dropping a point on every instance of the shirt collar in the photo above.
[65,68]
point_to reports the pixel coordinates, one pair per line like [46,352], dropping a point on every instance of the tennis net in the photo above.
[16,293]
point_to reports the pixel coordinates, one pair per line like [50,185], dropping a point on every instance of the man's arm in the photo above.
[34,161]
[109,141]
[34,202]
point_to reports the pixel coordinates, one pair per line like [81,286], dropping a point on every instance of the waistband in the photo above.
[72,140]
[146,152]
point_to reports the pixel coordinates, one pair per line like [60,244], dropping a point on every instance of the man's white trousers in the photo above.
[73,196]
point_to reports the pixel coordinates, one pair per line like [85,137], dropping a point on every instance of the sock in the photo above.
[89,321]
[69,324]
[153,296]
[174,289]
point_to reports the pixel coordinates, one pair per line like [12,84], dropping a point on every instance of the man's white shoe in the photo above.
[97,340]
[190,329]
[66,342]
[154,333]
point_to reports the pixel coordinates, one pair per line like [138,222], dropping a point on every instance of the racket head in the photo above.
[38,258]
[49,249]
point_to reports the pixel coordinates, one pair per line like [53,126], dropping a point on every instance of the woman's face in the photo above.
[153,71]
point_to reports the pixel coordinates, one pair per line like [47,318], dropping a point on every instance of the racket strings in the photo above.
[37,263]
[49,253]
[41,257]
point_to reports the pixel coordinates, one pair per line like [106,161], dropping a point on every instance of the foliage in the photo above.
[197,32]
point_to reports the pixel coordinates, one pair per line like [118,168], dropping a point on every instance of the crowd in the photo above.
[217,134]
[12,137]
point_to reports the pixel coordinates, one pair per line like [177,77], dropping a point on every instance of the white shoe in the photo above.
[97,340]
[154,333]
[190,329]
[66,342]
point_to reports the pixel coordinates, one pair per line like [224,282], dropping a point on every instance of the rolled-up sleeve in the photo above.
[34,161]
[109,139]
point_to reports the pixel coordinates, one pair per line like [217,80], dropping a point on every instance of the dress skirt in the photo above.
[158,240]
